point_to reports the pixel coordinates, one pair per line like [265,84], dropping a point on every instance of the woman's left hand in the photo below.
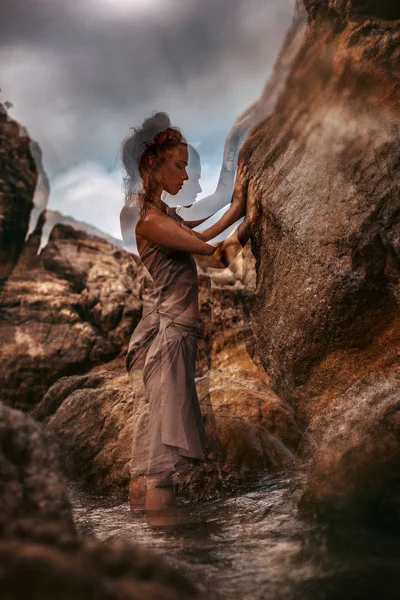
[239,197]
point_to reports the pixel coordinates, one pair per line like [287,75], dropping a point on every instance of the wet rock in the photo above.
[41,555]
[33,489]
[326,239]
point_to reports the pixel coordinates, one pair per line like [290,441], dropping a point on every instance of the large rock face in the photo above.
[326,236]
[41,555]
[97,416]
[63,311]
[17,184]
[75,304]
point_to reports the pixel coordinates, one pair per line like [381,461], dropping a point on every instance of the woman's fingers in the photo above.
[241,173]
[240,189]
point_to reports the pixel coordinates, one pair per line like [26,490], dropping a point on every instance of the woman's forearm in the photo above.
[233,214]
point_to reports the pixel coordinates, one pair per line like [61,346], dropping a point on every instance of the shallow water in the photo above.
[254,546]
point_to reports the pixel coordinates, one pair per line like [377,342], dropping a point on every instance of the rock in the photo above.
[17,185]
[63,311]
[89,569]
[96,416]
[54,217]
[41,555]
[326,239]
[350,457]
[33,489]
[42,190]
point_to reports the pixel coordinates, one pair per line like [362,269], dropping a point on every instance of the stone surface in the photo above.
[41,555]
[54,217]
[33,489]
[326,239]
[81,569]
[94,417]
[353,450]
[72,306]
[17,184]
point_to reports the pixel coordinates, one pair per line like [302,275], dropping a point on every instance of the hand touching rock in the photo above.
[251,203]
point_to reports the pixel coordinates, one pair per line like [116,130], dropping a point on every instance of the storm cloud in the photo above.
[81,73]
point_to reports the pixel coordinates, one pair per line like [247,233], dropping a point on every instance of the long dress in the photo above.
[164,345]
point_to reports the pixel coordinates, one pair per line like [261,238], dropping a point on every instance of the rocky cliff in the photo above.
[41,554]
[326,237]
[17,184]
[63,311]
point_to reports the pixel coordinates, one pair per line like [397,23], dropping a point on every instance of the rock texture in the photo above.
[94,417]
[17,184]
[76,303]
[78,569]
[63,311]
[326,238]
[33,490]
[40,553]
[52,218]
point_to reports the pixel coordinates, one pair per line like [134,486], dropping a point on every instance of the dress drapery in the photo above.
[164,346]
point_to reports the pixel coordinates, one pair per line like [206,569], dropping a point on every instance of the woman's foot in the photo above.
[137,493]
[160,498]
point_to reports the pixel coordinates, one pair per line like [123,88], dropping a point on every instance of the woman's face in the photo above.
[172,173]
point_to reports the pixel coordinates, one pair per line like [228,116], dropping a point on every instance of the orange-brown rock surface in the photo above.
[94,417]
[17,184]
[71,307]
[41,555]
[326,237]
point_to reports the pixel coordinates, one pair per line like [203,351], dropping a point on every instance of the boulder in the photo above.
[97,416]
[70,307]
[41,555]
[17,185]
[325,167]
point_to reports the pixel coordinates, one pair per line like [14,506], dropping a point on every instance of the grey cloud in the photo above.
[201,64]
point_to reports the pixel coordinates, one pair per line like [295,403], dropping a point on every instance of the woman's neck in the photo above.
[159,205]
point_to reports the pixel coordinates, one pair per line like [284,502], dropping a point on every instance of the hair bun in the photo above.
[156,123]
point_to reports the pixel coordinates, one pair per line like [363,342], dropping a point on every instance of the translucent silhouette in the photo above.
[165,342]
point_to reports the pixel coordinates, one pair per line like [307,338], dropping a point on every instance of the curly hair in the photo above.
[149,144]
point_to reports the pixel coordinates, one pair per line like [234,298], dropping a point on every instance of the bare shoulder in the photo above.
[153,220]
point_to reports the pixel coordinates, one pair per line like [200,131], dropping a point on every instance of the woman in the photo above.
[166,245]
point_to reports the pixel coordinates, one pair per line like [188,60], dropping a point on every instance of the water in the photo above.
[255,546]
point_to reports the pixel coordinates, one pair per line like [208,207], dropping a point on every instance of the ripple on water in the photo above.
[255,547]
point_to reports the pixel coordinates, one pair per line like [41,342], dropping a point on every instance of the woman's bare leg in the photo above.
[160,498]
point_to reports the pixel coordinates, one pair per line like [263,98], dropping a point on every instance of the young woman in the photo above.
[166,245]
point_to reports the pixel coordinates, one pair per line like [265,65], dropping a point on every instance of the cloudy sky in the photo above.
[80,73]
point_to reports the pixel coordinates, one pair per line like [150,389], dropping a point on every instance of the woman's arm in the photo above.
[237,208]
[237,198]
[164,231]
[192,224]
[229,249]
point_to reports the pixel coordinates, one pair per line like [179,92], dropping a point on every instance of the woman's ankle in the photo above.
[159,498]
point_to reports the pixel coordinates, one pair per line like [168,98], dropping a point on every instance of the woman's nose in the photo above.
[186,176]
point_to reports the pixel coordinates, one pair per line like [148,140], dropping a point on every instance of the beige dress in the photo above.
[164,345]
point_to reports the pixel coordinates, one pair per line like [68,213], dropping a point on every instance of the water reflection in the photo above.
[255,546]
